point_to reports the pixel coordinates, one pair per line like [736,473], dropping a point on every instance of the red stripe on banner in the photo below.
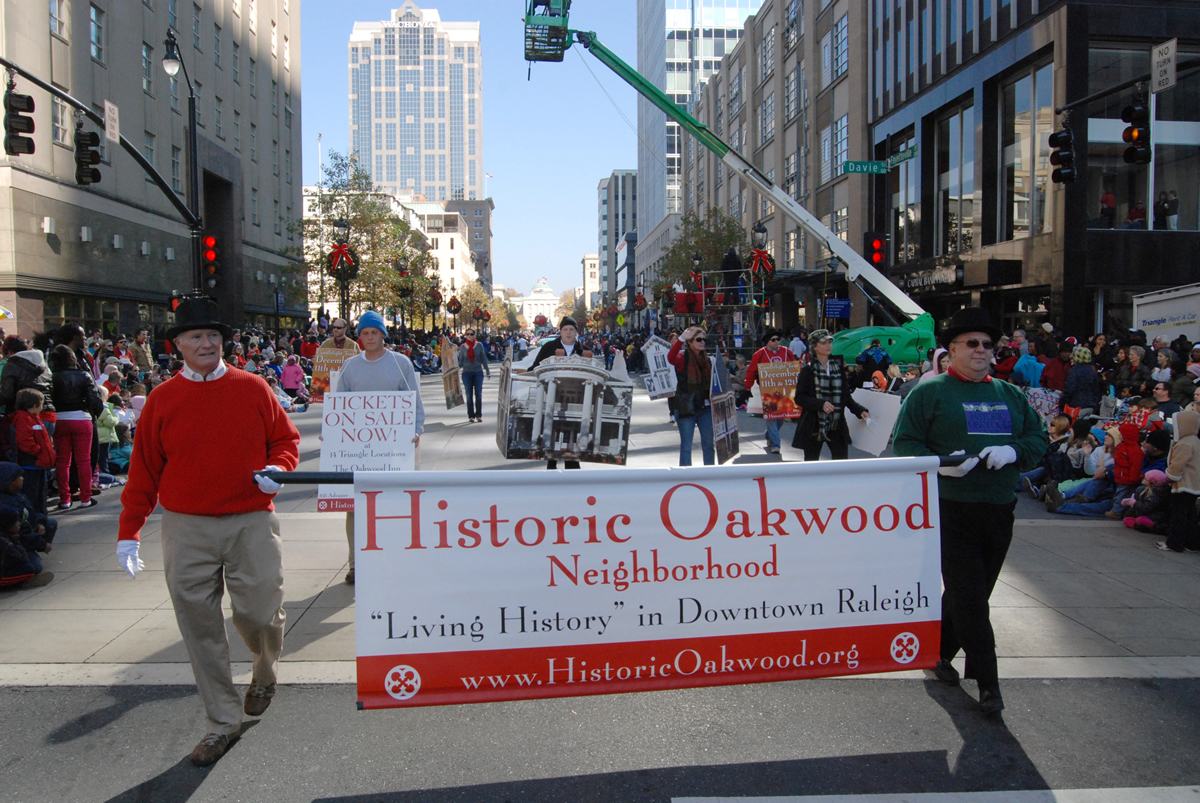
[486,676]
[334,505]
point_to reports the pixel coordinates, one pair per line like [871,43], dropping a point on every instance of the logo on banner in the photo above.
[403,682]
[904,649]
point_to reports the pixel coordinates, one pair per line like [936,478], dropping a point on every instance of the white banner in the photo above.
[371,431]
[483,586]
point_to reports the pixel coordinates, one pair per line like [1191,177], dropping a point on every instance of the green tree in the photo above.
[709,236]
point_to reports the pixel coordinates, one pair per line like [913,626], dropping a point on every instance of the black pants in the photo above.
[975,540]
[553,464]
[837,447]
[1183,531]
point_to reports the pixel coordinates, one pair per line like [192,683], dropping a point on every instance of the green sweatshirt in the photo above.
[943,414]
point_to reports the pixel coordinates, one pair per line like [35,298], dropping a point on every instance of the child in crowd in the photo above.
[1055,465]
[1139,414]
[106,430]
[1146,510]
[35,450]
[18,566]
[37,529]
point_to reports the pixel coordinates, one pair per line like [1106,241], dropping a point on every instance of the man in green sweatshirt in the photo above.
[966,410]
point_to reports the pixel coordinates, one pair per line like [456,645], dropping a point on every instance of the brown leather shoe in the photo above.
[211,748]
[258,698]
[350,577]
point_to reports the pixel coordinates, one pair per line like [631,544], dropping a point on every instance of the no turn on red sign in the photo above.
[1163,76]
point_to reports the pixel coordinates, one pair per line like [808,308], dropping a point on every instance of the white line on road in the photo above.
[1151,794]
[338,672]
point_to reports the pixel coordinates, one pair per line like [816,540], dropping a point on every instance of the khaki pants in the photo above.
[350,513]
[203,555]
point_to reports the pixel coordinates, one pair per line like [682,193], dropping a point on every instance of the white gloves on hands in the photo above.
[127,556]
[960,470]
[998,456]
[265,484]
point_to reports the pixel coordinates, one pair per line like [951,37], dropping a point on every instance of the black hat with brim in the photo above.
[969,319]
[197,313]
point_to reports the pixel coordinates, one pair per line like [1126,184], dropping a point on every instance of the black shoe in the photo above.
[946,673]
[990,702]
[350,577]
[1053,498]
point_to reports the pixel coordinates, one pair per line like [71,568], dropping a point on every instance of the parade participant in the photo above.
[219,529]
[376,369]
[339,339]
[770,352]
[693,409]
[961,411]
[565,345]
[473,364]
[823,392]
[76,403]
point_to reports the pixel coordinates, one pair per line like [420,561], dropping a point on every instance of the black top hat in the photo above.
[197,313]
[969,319]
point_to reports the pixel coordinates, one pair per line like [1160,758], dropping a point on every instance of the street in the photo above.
[1097,633]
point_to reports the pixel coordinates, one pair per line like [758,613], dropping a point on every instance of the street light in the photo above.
[172,63]
[342,227]
[759,233]
[404,288]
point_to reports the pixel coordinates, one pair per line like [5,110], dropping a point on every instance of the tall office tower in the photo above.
[108,255]
[616,214]
[679,46]
[416,104]
[590,291]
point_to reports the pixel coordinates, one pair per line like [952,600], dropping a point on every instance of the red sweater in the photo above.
[198,445]
[33,439]
[783,354]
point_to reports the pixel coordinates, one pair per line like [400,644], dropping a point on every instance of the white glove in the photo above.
[127,556]
[998,456]
[961,470]
[266,484]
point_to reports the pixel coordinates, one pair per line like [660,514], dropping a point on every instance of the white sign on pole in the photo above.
[365,432]
[112,123]
[1163,76]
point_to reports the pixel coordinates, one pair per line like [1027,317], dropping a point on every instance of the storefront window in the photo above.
[1175,136]
[955,197]
[1026,120]
[90,313]
[905,183]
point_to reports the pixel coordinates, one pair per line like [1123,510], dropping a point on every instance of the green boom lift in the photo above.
[547,38]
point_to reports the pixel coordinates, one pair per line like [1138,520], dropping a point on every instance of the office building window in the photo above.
[791,93]
[904,185]
[197,89]
[841,143]
[793,23]
[173,84]
[275,214]
[60,122]
[253,86]
[954,204]
[58,25]
[237,58]
[274,157]
[766,54]
[195,26]
[176,169]
[216,44]
[253,206]
[148,142]
[237,130]
[767,119]
[218,112]
[826,154]
[841,46]
[253,142]
[147,68]
[275,98]
[1026,121]
[96,33]
[172,14]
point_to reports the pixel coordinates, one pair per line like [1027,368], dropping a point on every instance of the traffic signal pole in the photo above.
[185,209]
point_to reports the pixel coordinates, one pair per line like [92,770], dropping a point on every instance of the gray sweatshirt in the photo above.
[392,371]
[481,362]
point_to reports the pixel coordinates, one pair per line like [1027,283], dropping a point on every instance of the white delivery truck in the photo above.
[1169,313]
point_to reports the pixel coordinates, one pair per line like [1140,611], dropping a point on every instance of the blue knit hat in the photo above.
[369,319]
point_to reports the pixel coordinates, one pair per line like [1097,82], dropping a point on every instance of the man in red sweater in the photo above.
[219,529]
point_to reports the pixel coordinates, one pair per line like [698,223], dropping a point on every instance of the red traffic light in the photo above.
[208,241]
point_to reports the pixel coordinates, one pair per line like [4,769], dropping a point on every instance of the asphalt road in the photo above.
[844,736]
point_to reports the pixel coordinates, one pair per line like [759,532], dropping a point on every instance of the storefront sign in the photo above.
[932,279]
[365,432]
[484,586]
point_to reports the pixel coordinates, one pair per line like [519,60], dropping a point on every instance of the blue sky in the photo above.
[547,141]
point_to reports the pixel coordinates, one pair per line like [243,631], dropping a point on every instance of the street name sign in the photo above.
[864,167]
[902,156]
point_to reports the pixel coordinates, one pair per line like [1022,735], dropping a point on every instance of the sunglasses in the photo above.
[974,344]
[339,327]
[698,340]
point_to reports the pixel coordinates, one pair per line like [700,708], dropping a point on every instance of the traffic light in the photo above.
[86,155]
[210,261]
[16,123]
[1137,134]
[875,248]
[1063,157]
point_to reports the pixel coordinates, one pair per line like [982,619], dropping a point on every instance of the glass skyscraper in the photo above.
[680,45]
[416,104]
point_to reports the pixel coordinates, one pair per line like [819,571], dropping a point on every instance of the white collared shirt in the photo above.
[187,373]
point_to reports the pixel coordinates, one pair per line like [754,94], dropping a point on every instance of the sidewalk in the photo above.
[1079,597]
